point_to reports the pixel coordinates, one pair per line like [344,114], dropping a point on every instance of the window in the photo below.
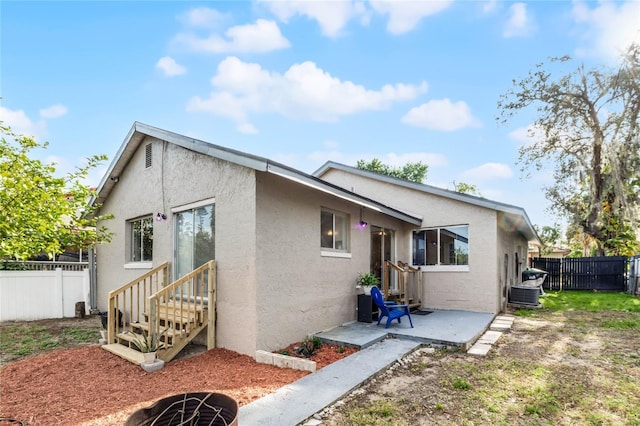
[141,231]
[334,230]
[447,246]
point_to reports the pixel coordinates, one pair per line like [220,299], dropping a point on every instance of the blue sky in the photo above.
[301,82]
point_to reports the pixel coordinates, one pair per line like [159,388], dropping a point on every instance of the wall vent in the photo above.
[147,156]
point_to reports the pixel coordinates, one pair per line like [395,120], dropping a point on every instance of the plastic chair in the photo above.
[389,309]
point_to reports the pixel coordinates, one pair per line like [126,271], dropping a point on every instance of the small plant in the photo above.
[340,349]
[145,342]
[309,346]
[461,384]
[284,352]
[367,280]
[439,406]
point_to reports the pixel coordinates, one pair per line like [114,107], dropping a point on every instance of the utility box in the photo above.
[525,295]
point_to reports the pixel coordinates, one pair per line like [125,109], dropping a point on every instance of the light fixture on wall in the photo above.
[362,224]
[161,217]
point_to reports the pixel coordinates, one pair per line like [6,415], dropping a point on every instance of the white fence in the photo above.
[32,295]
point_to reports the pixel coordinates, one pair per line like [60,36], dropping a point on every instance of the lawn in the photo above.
[576,361]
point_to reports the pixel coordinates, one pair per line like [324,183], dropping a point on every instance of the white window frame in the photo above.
[131,263]
[333,251]
[440,267]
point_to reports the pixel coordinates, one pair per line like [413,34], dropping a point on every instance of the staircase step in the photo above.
[125,352]
[130,337]
[175,315]
[169,332]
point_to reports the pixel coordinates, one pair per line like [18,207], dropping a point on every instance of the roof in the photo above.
[139,131]
[516,215]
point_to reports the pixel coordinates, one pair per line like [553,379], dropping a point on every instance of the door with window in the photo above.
[382,249]
[194,238]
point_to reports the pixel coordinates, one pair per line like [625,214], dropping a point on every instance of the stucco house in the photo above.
[288,246]
[469,249]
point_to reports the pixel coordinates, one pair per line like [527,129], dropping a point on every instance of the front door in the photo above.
[194,238]
[382,249]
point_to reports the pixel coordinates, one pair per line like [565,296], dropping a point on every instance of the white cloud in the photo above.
[609,28]
[247,129]
[527,136]
[330,144]
[520,23]
[404,16]
[202,17]
[332,16]
[489,6]
[399,160]
[21,124]
[263,36]
[170,67]
[304,91]
[54,111]
[442,115]
[487,171]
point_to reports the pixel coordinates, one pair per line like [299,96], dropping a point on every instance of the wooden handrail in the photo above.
[130,300]
[410,290]
[181,302]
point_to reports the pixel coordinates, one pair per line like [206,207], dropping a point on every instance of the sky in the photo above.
[302,82]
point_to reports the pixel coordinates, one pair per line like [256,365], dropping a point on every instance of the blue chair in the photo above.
[389,309]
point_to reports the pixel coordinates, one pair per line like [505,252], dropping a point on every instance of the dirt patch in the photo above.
[570,367]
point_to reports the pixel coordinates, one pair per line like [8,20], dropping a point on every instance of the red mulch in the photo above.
[324,356]
[91,386]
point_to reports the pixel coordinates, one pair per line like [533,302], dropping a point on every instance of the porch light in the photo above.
[362,224]
[160,217]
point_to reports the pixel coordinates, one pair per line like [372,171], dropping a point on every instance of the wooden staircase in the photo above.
[408,290]
[173,313]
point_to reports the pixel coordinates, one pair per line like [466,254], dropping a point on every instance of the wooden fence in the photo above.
[585,273]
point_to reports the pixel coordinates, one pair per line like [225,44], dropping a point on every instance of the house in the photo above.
[470,249]
[288,246]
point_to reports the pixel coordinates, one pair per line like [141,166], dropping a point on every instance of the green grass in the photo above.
[26,339]
[590,301]
[374,413]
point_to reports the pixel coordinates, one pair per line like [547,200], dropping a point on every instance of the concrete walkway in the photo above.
[379,348]
[501,324]
[299,400]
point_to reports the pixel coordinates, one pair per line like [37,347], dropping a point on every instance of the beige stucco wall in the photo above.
[189,177]
[509,243]
[476,289]
[299,290]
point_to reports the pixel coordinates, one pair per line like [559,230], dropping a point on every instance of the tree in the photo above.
[587,127]
[466,188]
[40,212]
[549,236]
[414,172]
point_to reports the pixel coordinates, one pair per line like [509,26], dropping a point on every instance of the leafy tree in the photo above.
[549,237]
[466,188]
[40,212]
[587,126]
[414,172]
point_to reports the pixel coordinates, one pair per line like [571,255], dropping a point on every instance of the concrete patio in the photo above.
[444,328]
[296,402]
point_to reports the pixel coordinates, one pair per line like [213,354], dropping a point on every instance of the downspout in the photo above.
[93,285]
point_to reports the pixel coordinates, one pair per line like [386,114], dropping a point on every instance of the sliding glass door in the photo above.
[195,238]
